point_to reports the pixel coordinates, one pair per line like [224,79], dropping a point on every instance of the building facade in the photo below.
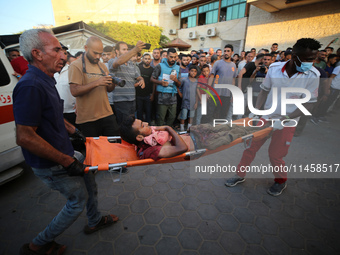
[204,24]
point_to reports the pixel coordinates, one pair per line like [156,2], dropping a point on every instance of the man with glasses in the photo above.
[89,83]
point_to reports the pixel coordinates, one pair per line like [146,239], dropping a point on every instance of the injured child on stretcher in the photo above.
[164,142]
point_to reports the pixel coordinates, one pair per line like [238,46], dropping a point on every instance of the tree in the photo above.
[131,33]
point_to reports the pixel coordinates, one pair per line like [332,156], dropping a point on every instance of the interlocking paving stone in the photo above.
[106,203]
[139,206]
[190,203]
[190,219]
[238,200]
[243,215]
[170,226]
[154,216]
[148,181]
[122,211]
[221,192]
[281,218]
[173,209]
[101,248]
[319,221]
[189,253]
[255,250]
[164,177]
[85,242]
[266,225]
[111,233]
[133,222]
[168,246]
[190,239]
[208,212]
[131,185]
[232,243]
[157,201]
[126,243]
[160,188]
[177,174]
[224,206]
[205,186]
[251,194]
[145,250]
[250,234]
[227,222]
[316,247]
[126,198]
[152,171]
[211,248]
[144,192]
[258,208]
[48,197]
[174,195]
[190,190]
[274,245]
[149,235]
[176,184]
[332,215]
[292,238]
[295,211]
[209,230]
[114,190]
[272,202]
[206,197]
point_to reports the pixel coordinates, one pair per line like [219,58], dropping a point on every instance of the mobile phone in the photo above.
[147,46]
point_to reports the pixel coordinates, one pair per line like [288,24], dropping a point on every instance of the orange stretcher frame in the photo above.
[106,153]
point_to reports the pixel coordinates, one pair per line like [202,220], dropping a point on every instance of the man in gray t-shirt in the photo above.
[227,72]
[124,98]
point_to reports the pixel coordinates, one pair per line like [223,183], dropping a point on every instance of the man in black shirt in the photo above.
[145,96]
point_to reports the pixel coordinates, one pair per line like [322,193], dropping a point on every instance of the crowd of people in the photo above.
[101,89]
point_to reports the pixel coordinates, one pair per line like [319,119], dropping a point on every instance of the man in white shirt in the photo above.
[296,73]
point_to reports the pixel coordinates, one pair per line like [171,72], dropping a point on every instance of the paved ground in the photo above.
[163,210]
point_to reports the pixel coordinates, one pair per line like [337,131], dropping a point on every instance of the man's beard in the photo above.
[185,65]
[156,59]
[226,57]
[91,59]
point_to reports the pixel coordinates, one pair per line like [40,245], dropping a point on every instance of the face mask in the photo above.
[305,66]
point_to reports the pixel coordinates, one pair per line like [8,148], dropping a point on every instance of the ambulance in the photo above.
[10,153]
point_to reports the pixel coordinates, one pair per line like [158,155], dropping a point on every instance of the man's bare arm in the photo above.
[128,55]
[82,89]
[178,145]
[31,141]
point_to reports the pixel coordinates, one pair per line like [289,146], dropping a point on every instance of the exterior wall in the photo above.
[232,31]
[66,12]
[319,21]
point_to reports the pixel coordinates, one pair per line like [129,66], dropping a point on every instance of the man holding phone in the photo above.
[124,98]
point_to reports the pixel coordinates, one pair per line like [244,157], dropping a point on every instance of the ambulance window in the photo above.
[4,78]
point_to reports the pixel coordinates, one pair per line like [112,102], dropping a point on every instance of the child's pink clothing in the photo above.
[157,137]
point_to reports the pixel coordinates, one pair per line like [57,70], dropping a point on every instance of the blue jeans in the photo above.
[144,105]
[79,192]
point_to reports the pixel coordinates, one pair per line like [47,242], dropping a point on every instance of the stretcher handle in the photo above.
[104,167]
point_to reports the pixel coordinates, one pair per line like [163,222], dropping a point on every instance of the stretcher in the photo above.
[113,154]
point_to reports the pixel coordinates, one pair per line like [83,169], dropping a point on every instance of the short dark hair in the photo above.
[247,52]
[218,50]
[323,51]
[275,44]
[195,56]
[117,46]
[229,46]
[146,54]
[253,49]
[11,50]
[332,56]
[288,52]
[127,133]
[156,49]
[163,52]
[268,55]
[107,49]
[261,55]
[213,58]
[331,48]
[69,55]
[205,66]
[306,43]
[194,67]
[172,50]
[79,53]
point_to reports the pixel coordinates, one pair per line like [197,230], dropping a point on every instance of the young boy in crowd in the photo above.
[189,102]
[202,79]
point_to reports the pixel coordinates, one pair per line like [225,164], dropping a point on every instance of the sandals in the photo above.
[105,221]
[51,248]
